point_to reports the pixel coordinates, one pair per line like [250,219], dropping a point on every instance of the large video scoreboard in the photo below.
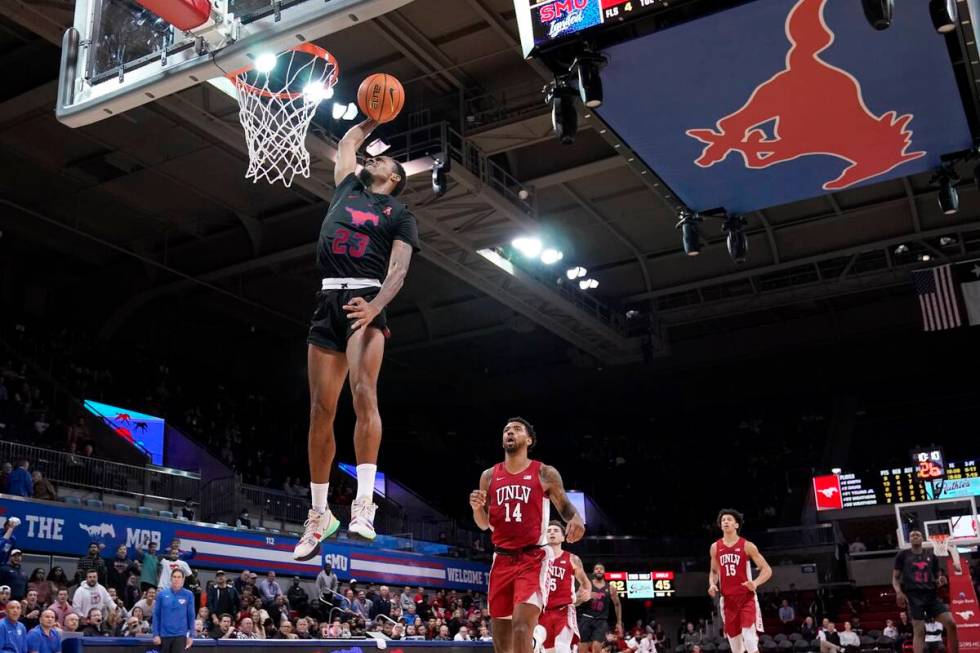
[543,22]
[907,484]
[642,585]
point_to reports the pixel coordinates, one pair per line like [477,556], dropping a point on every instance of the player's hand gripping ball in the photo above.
[13,522]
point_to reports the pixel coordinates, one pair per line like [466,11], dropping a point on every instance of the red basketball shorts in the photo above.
[740,611]
[562,628]
[516,579]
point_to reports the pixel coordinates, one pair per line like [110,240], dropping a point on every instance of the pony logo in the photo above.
[99,530]
[361,218]
[828,491]
[813,108]
[966,615]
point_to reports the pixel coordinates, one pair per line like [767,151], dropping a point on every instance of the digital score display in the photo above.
[641,585]
[929,464]
[544,22]
[898,484]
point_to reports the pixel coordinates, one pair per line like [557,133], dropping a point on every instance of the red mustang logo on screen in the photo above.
[815,109]
[363,217]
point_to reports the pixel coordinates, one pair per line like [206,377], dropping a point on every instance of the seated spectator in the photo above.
[691,637]
[38,584]
[829,638]
[850,640]
[30,610]
[91,595]
[485,634]
[443,635]
[857,546]
[43,489]
[462,635]
[145,604]
[61,607]
[243,521]
[187,512]
[297,597]
[140,624]
[786,613]
[890,630]
[20,483]
[808,629]
[934,636]
[72,623]
[58,580]
[303,628]
[44,638]
[225,628]
[246,629]
[269,589]
[279,610]
[93,624]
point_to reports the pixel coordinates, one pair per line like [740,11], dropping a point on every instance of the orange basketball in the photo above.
[381,97]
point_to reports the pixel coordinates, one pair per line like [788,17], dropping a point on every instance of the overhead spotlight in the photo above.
[576,272]
[944,15]
[588,64]
[377,147]
[317,92]
[266,62]
[902,249]
[738,242]
[689,224]
[879,12]
[949,199]
[523,194]
[528,246]
[632,314]
[338,110]
[564,118]
[439,182]
[924,257]
[947,241]
[588,284]
[351,112]
[550,256]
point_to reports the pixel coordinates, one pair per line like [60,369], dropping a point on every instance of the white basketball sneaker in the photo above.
[362,518]
[318,527]
[537,638]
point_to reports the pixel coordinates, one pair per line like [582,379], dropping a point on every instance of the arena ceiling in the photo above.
[131,214]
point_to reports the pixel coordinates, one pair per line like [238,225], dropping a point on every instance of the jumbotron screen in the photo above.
[543,22]
[145,432]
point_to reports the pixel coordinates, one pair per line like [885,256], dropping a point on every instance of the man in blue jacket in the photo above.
[173,616]
[44,638]
[21,483]
[13,634]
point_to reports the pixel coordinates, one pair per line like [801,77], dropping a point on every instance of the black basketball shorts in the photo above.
[592,629]
[330,327]
[924,605]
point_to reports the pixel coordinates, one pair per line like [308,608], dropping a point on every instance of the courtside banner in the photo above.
[963,605]
[48,527]
[129,645]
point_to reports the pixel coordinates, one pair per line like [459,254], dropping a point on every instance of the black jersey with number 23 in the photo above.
[357,235]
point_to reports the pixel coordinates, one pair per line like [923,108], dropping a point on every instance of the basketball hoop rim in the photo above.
[236,76]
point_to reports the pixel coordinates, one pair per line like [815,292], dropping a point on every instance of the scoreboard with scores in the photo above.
[642,585]
[543,22]
[907,484]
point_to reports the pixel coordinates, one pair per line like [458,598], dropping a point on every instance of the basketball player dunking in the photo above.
[730,562]
[513,503]
[365,247]
[594,613]
[917,577]
[558,618]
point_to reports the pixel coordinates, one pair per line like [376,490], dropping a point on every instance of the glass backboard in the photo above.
[119,55]
[955,517]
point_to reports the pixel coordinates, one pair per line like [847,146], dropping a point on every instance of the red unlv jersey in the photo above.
[733,566]
[561,586]
[518,507]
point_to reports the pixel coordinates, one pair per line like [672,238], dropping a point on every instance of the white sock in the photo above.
[319,493]
[365,480]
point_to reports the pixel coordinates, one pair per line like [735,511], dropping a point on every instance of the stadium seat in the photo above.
[785,645]
[708,647]
[874,634]
[801,645]
[72,500]
[143,510]
[780,637]
[885,642]
[769,645]
[680,648]
[93,503]
[121,507]
[724,646]
[795,637]
[167,514]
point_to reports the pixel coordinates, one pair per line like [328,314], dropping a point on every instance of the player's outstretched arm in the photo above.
[555,488]
[715,573]
[765,571]
[584,591]
[478,501]
[346,162]
[362,312]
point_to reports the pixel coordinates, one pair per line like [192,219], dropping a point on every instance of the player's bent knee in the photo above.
[751,640]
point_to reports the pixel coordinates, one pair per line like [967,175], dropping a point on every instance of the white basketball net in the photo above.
[940,544]
[276,119]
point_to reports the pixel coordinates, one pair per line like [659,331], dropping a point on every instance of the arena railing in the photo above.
[103,476]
